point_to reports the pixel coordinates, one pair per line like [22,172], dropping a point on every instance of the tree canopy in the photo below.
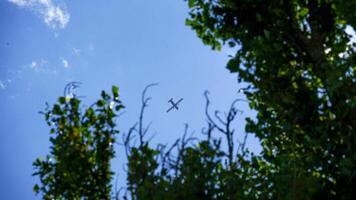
[300,62]
[82,142]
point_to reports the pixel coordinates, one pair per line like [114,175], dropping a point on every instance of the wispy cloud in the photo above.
[83,50]
[76,51]
[40,66]
[2,85]
[33,64]
[5,83]
[54,15]
[65,63]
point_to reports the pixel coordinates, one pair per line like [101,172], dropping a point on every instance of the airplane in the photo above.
[174,105]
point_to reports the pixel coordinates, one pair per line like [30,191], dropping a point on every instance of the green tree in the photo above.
[300,63]
[82,139]
[193,168]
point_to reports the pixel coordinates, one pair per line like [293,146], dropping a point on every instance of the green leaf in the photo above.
[191,3]
[233,65]
[119,107]
[57,109]
[115,91]
[104,95]
[62,100]
[36,188]
[100,103]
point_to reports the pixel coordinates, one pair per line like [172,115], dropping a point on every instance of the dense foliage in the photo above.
[301,64]
[81,148]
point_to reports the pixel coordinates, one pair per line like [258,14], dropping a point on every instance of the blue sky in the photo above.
[45,44]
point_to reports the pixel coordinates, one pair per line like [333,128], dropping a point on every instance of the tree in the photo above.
[300,63]
[78,166]
[193,168]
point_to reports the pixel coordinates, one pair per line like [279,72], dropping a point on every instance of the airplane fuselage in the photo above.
[174,105]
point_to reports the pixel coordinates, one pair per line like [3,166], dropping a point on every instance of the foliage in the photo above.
[82,139]
[301,65]
[199,168]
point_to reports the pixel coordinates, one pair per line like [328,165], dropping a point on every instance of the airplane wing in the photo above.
[179,101]
[170,109]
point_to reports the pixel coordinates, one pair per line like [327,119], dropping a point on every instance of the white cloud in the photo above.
[53,15]
[83,50]
[38,65]
[76,51]
[65,63]
[2,85]
[33,64]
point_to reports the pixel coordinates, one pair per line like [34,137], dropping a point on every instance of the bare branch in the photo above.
[207,112]
[144,101]
[208,132]
[153,135]
[218,117]
[128,138]
[243,145]
[225,127]
[167,155]
[70,87]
